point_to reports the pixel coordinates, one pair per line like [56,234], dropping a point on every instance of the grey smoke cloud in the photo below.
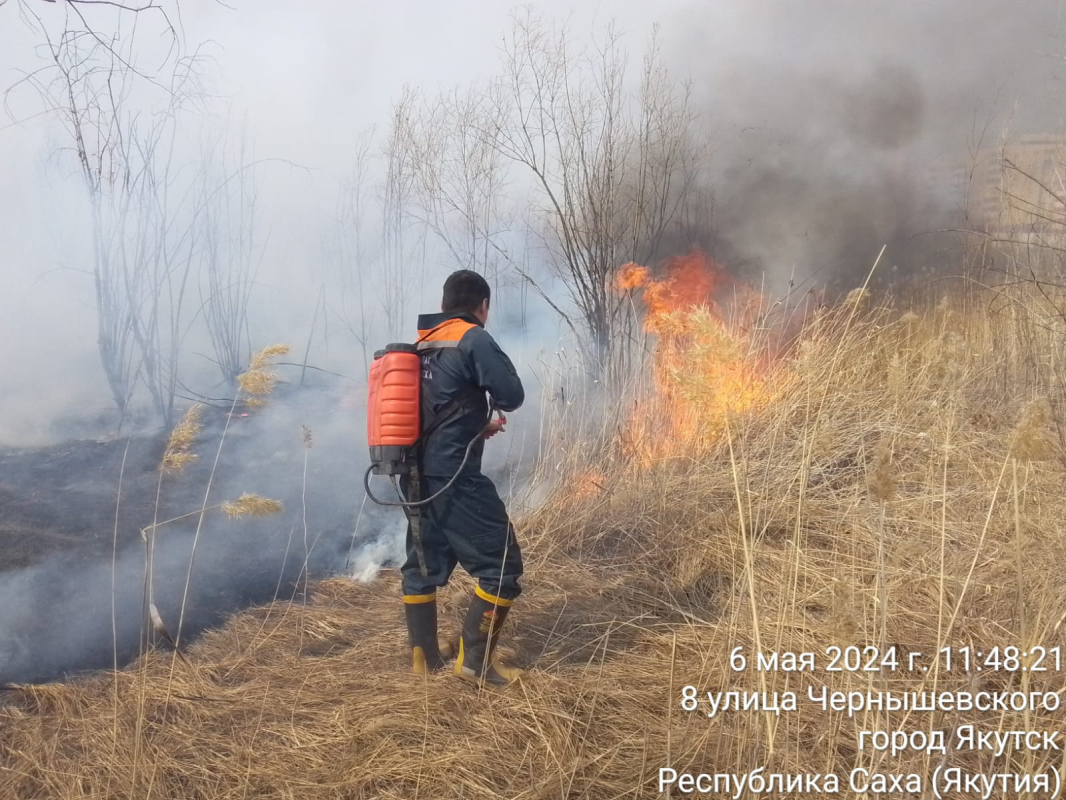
[829,121]
[822,119]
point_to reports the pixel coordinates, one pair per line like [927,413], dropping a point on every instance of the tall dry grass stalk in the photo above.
[252,505]
[308,438]
[258,381]
[178,452]
[886,494]
[247,504]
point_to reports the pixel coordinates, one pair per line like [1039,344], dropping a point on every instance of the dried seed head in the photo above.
[1030,441]
[949,359]
[308,437]
[264,356]
[257,380]
[253,505]
[187,428]
[806,356]
[856,297]
[174,463]
[844,605]
[897,378]
[177,453]
[881,482]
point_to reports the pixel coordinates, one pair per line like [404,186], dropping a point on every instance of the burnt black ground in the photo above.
[72,582]
[63,498]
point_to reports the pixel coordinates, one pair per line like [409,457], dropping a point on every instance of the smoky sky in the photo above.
[827,123]
[834,124]
[822,119]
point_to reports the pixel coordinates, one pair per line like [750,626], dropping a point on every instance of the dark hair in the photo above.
[463,292]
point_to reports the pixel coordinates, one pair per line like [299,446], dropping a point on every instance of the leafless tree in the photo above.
[83,91]
[141,255]
[232,252]
[354,260]
[402,233]
[87,83]
[103,21]
[614,169]
[169,233]
[130,7]
[459,179]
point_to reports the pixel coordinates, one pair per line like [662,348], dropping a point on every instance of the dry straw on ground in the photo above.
[887,496]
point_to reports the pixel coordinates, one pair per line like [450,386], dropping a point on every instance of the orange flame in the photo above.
[589,484]
[690,282]
[702,366]
[631,276]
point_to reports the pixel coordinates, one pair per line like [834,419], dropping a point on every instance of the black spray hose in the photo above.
[403,502]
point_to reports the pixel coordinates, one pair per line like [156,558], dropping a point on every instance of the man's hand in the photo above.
[496,426]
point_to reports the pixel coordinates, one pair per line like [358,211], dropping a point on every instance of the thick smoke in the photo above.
[72,609]
[839,127]
[831,128]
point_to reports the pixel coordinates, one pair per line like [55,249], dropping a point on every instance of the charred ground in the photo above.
[71,517]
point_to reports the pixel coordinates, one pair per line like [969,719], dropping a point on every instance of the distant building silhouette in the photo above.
[1020,188]
[1016,188]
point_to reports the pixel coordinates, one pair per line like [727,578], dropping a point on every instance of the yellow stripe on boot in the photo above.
[418,662]
[415,599]
[491,598]
[477,642]
[496,676]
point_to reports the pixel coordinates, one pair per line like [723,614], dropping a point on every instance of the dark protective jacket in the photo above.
[461,361]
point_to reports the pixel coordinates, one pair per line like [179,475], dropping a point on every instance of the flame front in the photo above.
[704,366]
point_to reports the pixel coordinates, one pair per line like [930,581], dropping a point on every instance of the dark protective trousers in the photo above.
[467,525]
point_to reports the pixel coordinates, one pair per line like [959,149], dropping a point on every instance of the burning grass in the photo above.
[903,487]
[709,362]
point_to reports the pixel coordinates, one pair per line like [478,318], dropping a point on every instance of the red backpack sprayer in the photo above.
[396,435]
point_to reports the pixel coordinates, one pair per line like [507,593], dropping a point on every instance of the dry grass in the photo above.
[178,452]
[253,505]
[903,488]
[258,381]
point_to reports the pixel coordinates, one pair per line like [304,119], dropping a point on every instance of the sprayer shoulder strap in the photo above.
[464,398]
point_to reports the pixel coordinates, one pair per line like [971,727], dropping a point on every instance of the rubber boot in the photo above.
[481,631]
[421,613]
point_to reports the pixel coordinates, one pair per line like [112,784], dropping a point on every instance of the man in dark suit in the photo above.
[465,375]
